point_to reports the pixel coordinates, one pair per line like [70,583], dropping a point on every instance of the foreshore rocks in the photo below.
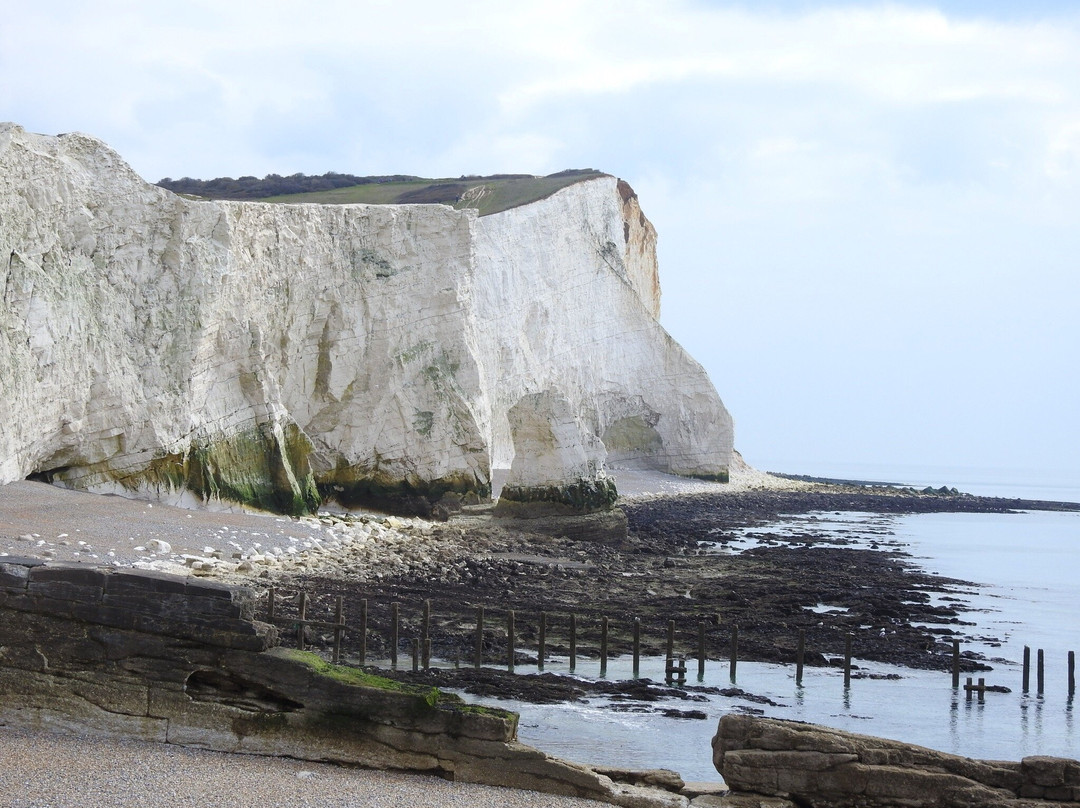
[816,767]
[245,354]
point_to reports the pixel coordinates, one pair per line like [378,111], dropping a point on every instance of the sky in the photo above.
[869,213]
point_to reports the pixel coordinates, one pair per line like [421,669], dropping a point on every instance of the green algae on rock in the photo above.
[582,496]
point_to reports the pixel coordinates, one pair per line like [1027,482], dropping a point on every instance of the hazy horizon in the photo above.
[868,213]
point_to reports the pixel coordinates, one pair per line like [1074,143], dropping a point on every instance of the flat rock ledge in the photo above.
[796,765]
[175,659]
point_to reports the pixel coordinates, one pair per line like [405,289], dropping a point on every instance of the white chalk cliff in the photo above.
[272,355]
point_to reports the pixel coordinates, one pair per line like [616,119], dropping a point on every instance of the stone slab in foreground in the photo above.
[808,765]
[173,659]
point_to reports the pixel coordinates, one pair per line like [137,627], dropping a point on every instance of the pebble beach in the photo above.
[49,770]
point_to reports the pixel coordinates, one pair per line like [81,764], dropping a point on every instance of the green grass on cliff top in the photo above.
[485,194]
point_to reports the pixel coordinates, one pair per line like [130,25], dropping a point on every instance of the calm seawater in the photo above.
[1025,568]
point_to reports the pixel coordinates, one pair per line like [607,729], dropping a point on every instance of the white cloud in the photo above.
[835,182]
[1063,153]
[889,53]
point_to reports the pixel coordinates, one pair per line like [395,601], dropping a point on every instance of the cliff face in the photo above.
[271,355]
[565,298]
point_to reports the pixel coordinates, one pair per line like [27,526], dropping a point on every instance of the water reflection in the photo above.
[954,720]
[922,708]
[1034,600]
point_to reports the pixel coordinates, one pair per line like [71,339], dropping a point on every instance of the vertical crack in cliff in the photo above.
[323,364]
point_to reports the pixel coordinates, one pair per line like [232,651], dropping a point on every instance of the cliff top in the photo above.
[490,194]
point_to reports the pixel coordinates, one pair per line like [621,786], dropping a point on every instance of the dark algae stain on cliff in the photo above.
[583,496]
[368,486]
[266,467]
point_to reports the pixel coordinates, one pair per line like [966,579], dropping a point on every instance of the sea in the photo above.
[1025,573]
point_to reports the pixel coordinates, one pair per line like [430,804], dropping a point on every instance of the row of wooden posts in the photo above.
[675,667]
[421,646]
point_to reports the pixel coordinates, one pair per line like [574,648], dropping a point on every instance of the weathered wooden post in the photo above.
[542,641]
[1072,674]
[425,630]
[339,627]
[734,651]
[701,650]
[800,654]
[967,689]
[573,641]
[510,640]
[1039,680]
[637,646]
[395,612]
[982,690]
[427,653]
[847,660]
[363,632]
[956,663]
[300,623]
[479,658]
[1026,677]
[675,670]
[603,645]
[415,654]
[270,603]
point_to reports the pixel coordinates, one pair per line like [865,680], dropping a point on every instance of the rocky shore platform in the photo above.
[672,566]
[693,552]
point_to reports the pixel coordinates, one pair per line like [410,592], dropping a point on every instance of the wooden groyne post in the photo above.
[847,660]
[980,688]
[1072,674]
[301,625]
[734,650]
[339,627]
[510,640]
[800,655]
[573,641]
[395,620]
[956,663]
[603,645]
[675,670]
[637,646]
[425,635]
[1025,681]
[478,658]
[541,641]
[701,650]
[363,632]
